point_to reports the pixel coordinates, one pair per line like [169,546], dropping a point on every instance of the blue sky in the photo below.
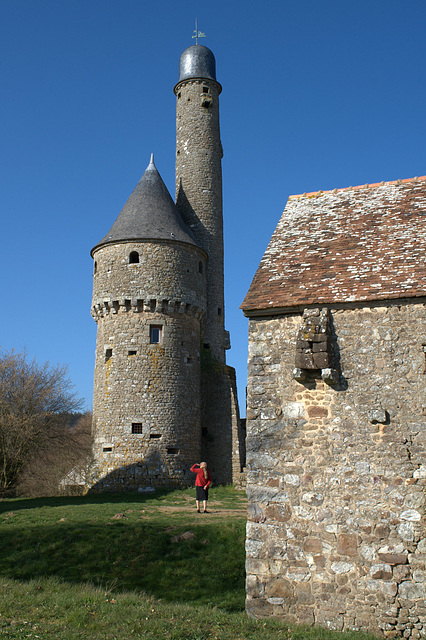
[316,95]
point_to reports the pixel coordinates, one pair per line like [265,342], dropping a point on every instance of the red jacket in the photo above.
[200,480]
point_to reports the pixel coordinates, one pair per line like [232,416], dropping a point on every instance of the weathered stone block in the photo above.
[324,345]
[304,360]
[393,558]
[341,567]
[255,513]
[278,513]
[312,545]
[321,360]
[279,588]
[347,544]
[330,376]
[412,591]
[381,572]
[299,374]
[303,344]
[317,412]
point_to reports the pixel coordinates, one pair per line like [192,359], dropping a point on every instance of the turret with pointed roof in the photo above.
[149,214]
[149,298]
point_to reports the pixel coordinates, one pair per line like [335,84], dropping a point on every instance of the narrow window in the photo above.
[172,450]
[137,427]
[108,354]
[200,267]
[204,432]
[134,257]
[179,94]
[155,436]
[219,311]
[131,353]
[107,449]
[155,333]
[95,267]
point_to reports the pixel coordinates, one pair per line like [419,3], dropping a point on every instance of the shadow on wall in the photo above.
[153,472]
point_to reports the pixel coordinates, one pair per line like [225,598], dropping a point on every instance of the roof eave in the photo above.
[148,240]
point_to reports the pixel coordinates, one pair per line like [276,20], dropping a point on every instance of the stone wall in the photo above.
[222,439]
[336,473]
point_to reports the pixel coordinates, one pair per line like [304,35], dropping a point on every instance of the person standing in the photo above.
[202,484]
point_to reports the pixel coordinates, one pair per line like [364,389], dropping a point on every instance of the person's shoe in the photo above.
[198,511]
[205,511]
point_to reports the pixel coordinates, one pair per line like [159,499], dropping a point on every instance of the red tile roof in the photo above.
[355,244]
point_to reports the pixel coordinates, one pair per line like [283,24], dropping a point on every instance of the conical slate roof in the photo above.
[149,214]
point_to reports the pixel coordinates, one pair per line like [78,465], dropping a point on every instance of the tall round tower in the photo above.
[148,301]
[199,179]
[199,200]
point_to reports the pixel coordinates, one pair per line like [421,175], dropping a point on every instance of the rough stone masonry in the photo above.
[336,443]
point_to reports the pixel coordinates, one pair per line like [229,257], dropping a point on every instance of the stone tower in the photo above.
[199,179]
[199,200]
[164,397]
[148,300]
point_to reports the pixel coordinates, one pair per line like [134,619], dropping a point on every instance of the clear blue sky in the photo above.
[316,95]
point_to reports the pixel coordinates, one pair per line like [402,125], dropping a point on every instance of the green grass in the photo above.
[115,567]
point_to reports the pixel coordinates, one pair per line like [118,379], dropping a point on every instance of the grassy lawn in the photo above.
[127,566]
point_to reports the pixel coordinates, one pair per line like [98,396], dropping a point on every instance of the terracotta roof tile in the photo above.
[355,244]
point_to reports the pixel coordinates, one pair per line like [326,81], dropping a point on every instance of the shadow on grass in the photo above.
[16,504]
[205,567]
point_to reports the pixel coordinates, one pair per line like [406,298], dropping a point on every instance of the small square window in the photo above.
[131,353]
[155,333]
[137,427]
[205,89]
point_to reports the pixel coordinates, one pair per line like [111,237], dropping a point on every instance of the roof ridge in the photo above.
[311,194]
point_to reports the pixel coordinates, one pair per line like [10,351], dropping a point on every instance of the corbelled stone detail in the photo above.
[150,305]
[314,347]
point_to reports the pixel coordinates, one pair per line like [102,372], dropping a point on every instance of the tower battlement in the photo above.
[103,308]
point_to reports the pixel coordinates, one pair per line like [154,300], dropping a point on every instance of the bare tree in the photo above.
[32,397]
[62,464]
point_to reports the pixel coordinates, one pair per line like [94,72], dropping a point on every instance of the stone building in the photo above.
[336,412]
[164,397]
